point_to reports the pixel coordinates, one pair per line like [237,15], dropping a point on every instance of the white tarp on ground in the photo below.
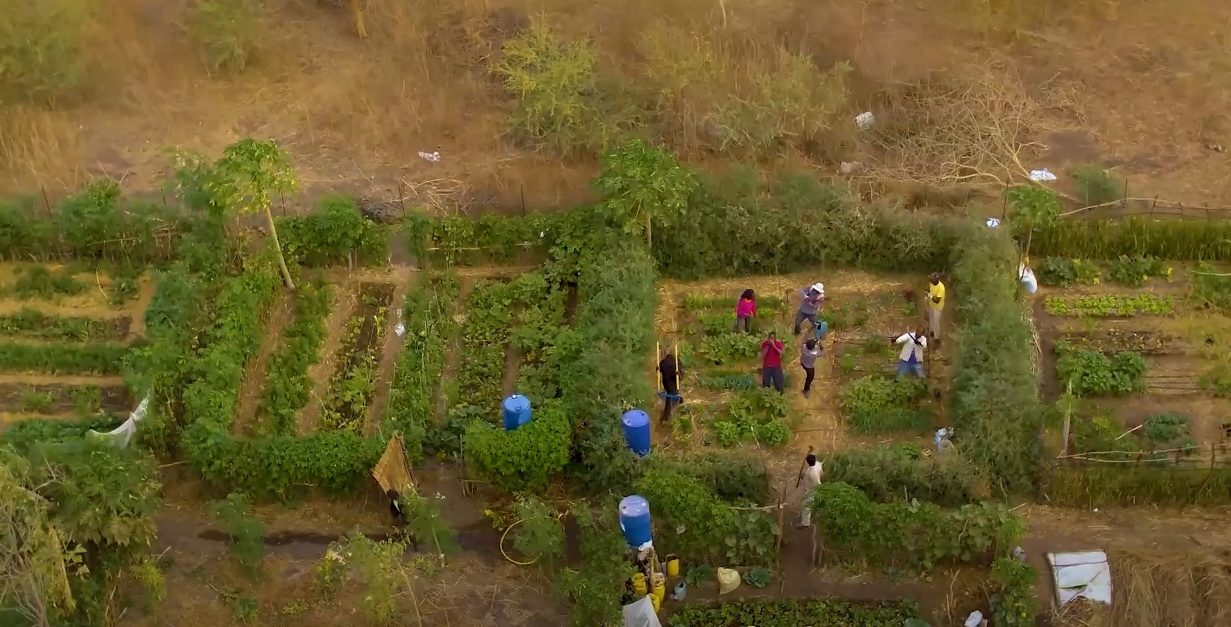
[640,613]
[123,434]
[1082,574]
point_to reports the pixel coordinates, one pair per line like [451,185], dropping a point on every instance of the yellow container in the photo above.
[673,567]
[639,584]
[656,601]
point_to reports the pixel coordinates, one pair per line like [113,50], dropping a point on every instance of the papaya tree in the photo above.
[244,180]
[641,185]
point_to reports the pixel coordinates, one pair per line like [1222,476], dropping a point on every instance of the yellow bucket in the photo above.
[656,601]
[673,566]
[639,584]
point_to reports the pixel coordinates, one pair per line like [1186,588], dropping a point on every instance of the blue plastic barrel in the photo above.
[822,328]
[637,431]
[635,520]
[516,411]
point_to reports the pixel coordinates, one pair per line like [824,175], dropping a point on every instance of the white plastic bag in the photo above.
[123,434]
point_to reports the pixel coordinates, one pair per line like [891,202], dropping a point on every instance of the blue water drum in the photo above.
[635,520]
[516,411]
[637,431]
[822,328]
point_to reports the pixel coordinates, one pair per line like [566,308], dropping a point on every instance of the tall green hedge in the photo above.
[996,406]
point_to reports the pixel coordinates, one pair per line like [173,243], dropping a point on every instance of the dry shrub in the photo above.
[1008,19]
[1152,590]
[35,142]
[977,124]
[725,92]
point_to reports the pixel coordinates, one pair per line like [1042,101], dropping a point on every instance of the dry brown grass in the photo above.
[1153,589]
[355,113]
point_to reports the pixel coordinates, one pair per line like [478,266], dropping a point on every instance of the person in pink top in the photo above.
[745,310]
[771,361]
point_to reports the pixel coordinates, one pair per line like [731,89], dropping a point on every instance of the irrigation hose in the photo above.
[506,555]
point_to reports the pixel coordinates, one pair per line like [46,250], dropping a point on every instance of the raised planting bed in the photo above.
[56,398]
[31,323]
[1108,340]
[287,385]
[1109,305]
[353,382]
[485,339]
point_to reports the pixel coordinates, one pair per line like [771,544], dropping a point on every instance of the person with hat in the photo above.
[813,298]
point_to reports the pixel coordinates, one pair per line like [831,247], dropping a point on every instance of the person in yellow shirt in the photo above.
[936,304]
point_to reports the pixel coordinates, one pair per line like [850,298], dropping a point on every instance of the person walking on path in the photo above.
[810,477]
[807,359]
[813,298]
[772,349]
[936,304]
[669,369]
[745,311]
[911,359]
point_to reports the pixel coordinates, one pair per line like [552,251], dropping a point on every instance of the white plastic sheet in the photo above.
[640,613]
[1043,175]
[1084,574]
[123,434]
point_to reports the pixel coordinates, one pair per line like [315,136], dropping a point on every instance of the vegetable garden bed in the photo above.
[60,398]
[354,380]
[32,323]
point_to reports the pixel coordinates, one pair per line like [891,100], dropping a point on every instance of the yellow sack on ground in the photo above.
[728,580]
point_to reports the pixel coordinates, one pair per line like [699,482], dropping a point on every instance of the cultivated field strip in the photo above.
[390,346]
[319,374]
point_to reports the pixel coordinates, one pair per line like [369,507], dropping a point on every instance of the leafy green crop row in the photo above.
[880,404]
[1091,373]
[797,612]
[1109,305]
[287,384]
[336,234]
[900,472]
[35,324]
[526,458]
[62,358]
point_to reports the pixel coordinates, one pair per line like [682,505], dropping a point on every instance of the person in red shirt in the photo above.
[772,349]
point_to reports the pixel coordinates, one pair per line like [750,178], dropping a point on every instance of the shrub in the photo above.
[1013,602]
[562,105]
[1165,428]
[540,536]
[526,458]
[920,535]
[336,233]
[227,31]
[23,435]
[996,406]
[1210,287]
[246,531]
[1097,186]
[1134,271]
[901,473]
[1090,372]
[1061,272]
[732,476]
[596,586]
[39,282]
[41,49]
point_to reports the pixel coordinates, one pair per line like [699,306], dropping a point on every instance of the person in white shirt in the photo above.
[810,477]
[910,361]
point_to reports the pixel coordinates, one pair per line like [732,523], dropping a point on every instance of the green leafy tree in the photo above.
[244,180]
[1035,207]
[642,185]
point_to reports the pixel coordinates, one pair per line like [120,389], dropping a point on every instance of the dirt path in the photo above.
[390,349]
[250,392]
[55,379]
[344,305]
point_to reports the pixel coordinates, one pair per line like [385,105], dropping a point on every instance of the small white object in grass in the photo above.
[400,329]
[992,223]
[865,120]
[1039,176]
[430,156]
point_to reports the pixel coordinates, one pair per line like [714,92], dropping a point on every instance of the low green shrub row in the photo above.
[901,473]
[996,406]
[489,238]
[25,434]
[595,587]
[1012,593]
[33,323]
[797,612]
[62,358]
[1107,484]
[910,534]
[287,385]
[417,381]
[337,233]
[604,371]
